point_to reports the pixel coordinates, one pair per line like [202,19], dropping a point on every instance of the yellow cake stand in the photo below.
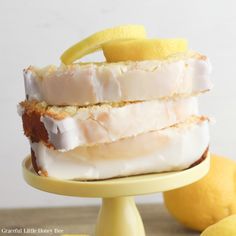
[118,215]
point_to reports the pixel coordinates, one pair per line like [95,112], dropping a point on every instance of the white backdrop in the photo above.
[37,31]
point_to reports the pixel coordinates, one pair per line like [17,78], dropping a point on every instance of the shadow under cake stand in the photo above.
[118,215]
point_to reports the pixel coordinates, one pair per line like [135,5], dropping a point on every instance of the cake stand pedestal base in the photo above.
[119,216]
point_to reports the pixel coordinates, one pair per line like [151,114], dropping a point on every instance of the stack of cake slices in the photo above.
[103,120]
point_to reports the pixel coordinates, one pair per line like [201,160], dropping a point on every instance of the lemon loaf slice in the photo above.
[170,149]
[92,83]
[67,127]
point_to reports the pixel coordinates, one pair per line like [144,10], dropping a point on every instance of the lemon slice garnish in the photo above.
[143,49]
[94,42]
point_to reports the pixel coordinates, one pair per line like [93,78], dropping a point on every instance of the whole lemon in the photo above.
[225,227]
[208,200]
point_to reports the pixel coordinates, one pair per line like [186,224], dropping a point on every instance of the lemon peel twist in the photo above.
[143,49]
[94,42]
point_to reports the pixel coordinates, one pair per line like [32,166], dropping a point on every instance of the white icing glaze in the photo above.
[101,124]
[114,82]
[32,89]
[20,110]
[169,149]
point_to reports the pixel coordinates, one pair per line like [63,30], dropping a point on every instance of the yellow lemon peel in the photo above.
[94,42]
[143,49]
